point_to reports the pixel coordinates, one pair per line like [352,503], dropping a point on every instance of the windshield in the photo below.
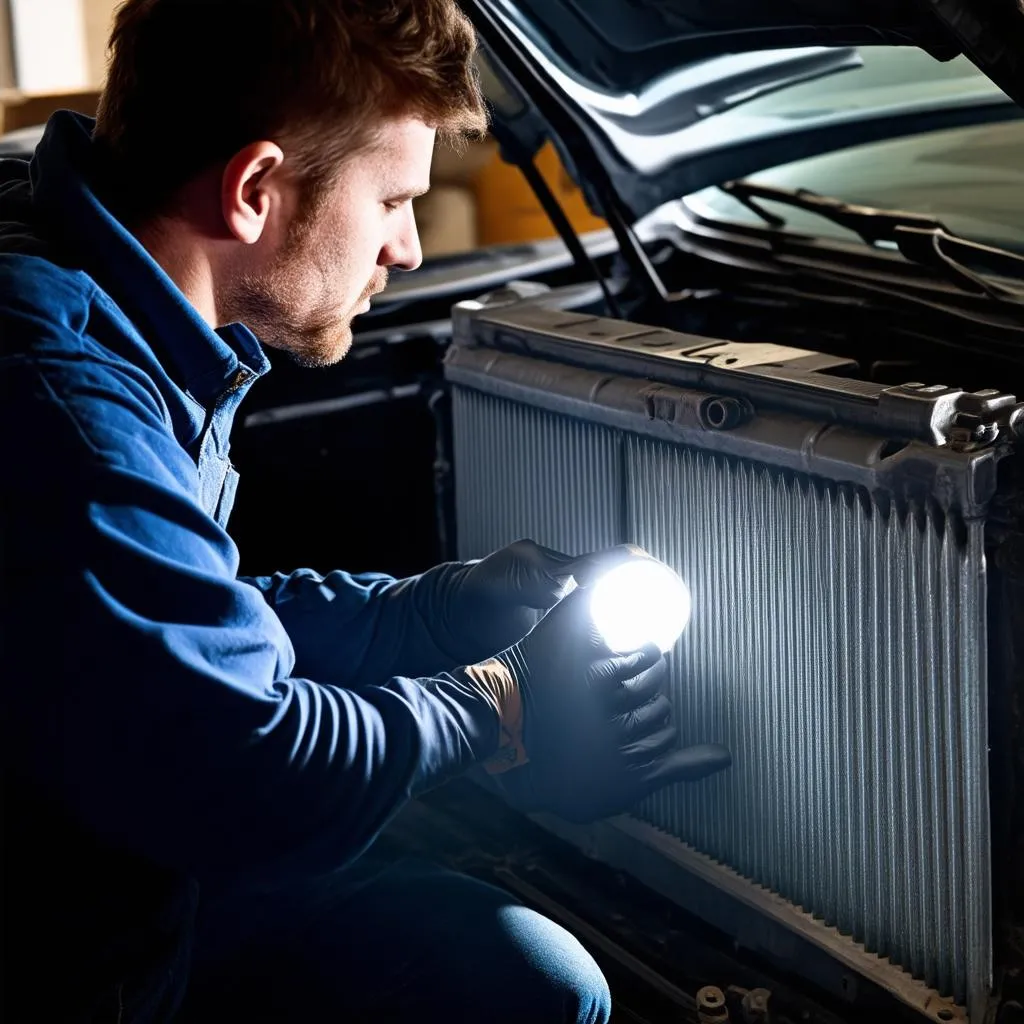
[970,178]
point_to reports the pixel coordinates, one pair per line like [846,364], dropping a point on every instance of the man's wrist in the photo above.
[498,685]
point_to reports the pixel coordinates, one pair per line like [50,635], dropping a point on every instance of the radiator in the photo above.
[833,535]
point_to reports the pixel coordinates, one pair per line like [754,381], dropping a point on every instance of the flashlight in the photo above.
[641,601]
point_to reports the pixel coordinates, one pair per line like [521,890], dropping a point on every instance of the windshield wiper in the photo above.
[871,225]
[919,238]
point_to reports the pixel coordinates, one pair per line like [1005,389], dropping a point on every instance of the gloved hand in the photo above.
[594,728]
[473,610]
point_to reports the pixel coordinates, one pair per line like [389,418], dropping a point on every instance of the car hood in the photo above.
[645,99]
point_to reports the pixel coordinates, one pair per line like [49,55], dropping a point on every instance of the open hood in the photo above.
[645,99]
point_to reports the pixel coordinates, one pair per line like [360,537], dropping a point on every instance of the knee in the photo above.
[559,980]
[584,990]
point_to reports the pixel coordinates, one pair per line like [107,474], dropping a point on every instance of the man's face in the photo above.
[315,270]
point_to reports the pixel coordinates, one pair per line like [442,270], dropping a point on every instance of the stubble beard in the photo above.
[263,303]
[327,343]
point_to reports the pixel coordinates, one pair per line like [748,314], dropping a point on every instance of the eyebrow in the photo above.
[413,193]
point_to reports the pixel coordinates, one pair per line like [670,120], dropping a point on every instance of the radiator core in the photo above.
[837,646]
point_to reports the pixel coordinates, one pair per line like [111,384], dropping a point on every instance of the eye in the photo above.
[393,204]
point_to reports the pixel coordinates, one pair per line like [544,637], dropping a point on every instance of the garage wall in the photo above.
[97,16]
[49,45]
[6,53]
[56,45]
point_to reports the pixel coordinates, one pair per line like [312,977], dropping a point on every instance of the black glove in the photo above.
[476,609]
[596,727]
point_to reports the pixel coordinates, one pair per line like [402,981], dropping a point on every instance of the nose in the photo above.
[402,249]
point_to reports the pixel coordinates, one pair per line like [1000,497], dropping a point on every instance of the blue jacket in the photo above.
[163,718]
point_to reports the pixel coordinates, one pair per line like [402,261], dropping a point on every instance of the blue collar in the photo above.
[206,360]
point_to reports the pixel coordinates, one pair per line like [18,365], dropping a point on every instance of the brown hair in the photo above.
[191,82]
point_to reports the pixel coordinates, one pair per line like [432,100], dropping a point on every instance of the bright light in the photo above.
[639,602]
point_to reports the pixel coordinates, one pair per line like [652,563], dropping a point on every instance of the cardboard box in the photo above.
[510,212]
[25,110]
[447,220]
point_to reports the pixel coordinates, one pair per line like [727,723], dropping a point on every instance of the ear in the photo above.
[250,186]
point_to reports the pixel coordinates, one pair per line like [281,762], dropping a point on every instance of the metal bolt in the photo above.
[711,1008]
[755,1006]
[969,432]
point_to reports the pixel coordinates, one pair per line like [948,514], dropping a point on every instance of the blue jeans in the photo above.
[388,941]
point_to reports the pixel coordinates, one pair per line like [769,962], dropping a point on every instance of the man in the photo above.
[195,765]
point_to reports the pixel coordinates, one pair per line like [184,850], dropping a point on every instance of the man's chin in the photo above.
[321,348]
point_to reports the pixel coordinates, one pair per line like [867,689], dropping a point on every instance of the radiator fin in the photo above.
[837,646]
[527,474]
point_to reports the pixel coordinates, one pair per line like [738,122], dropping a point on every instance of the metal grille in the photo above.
[558,482]
[837,646]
